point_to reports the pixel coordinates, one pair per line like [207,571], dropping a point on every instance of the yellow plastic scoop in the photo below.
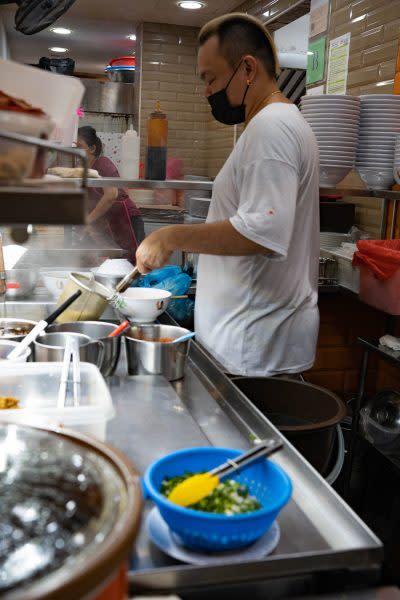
[199,486]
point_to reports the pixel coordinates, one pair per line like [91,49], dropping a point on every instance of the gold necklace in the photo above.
[262,104]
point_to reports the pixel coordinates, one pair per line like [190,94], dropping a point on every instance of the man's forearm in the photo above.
[219,238]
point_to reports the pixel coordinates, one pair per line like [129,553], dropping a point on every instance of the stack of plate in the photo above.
[379,125]
[335,121]
[396,163]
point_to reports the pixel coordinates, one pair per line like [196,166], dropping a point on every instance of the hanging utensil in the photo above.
[71,352]
[119,329]
[197,487]
[41,326]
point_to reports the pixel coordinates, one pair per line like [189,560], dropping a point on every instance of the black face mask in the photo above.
[221,108]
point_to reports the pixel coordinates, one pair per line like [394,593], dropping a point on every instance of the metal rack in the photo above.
[46,204]
[385,195]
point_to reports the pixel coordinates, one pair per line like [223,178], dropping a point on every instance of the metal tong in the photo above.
[263,449]
[71,353]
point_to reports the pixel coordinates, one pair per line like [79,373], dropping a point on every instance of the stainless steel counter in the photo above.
[319,532]
[320,535]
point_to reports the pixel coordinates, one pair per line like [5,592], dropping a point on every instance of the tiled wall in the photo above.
[169,75]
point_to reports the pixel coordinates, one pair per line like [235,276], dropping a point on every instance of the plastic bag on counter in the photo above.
[382,257]
[172,279]
[157,276]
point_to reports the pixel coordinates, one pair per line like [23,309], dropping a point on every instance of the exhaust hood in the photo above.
[108,97]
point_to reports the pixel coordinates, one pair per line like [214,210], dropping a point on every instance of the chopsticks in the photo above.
[71,352]
[119,329]
[264,448]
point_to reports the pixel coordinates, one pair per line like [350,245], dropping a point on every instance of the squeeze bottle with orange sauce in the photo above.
[157,135]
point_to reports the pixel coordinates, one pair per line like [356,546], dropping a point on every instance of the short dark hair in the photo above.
[240,34]
[90,136]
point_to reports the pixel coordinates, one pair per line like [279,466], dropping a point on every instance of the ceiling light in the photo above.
[266,13]
[61,30]
[58,49]
[132,37]
[190,5]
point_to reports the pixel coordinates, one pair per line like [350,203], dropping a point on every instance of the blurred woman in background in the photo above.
[112,213]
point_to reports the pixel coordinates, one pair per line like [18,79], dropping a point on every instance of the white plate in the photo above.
[332,119]
[331,98]
[379,98]
[330,109]
[380,129]
[371,120]
[379,110]
[161,535]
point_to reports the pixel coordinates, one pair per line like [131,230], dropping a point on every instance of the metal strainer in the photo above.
[91,304]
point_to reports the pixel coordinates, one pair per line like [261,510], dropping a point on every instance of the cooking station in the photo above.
[323,545]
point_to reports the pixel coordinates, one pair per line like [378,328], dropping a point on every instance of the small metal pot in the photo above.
[9,328]
[146,357]
[96,330]
[26,280]
[50,347]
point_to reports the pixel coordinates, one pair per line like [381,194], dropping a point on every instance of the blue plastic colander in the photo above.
[213,532]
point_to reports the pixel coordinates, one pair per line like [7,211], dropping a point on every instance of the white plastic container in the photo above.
[129,168]
[349,276]
[58,96]
[36,386]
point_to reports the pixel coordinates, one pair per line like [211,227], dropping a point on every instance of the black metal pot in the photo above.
[306,414]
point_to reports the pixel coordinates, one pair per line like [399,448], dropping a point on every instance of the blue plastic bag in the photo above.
[175,281]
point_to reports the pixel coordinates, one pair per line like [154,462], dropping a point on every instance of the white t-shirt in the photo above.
[258,315]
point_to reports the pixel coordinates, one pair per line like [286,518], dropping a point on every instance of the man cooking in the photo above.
[256,303]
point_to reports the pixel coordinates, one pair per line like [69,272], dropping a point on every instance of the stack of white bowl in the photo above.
[379,125]
[335,121]
[396,162]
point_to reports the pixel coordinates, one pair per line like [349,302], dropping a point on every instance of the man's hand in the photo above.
[154,251]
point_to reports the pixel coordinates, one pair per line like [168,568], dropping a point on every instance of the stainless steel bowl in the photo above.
[96,330]
[147,357]
[121,76]
[26,280]
[10,329]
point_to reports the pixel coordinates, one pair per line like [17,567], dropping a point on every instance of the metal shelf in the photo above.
[148,184]
[360,192]
[63,203]
[52,205]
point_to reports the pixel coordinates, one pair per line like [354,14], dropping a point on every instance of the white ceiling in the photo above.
[100,29]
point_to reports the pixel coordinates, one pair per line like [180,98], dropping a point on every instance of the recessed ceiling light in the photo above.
[58,49]
[191,5]
[131,37]
[266,13]
[61,30]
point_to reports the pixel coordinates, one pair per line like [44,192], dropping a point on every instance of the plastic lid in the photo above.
[131,132]
[62,497]
[158,114]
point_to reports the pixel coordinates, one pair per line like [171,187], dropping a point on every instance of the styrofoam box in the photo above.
[36,387]
[349,276]
[58,95]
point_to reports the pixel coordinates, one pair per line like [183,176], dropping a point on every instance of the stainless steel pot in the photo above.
[10,328]
[50,348]
[146,357]
[26,280]
[96,330]
[86,504]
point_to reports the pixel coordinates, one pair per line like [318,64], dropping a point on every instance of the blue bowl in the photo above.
[213,532]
